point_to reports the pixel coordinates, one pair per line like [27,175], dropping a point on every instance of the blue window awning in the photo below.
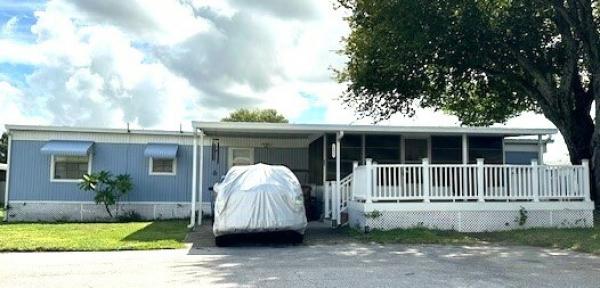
[161,151]
[67,148]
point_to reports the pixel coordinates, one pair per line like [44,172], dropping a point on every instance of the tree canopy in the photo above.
[255,115]
[483,61]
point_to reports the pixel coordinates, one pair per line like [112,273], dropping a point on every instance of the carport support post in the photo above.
[338,147]
[200,188]
[193,195]
[326,192]
[7,187]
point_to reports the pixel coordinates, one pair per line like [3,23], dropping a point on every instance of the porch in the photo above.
[324,154]
[463,197]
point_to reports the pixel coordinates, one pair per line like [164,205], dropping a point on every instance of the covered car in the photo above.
[258,198]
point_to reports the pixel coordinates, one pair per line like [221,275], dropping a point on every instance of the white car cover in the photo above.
[259,198]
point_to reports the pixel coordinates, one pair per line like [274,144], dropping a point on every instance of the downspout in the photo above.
[194,168]
[8,152]
[200,176]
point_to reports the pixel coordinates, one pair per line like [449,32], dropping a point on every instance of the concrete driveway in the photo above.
[351,265]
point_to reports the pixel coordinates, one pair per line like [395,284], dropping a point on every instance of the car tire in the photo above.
[297,238]
[221,241]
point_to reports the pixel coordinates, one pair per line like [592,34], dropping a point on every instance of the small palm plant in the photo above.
[108,188]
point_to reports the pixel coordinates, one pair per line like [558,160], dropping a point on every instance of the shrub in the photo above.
[108,188]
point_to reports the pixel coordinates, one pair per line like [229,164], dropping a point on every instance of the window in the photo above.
[488,148]
[446,149]
[163,166]
[69,168]
[383,149]
[415,150]
[241,156]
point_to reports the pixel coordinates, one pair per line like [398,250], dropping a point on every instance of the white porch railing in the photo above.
[340,196]
[461,182]
[480,182]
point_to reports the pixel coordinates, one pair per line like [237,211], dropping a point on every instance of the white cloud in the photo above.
[9,27]
[159,64]
[14,106]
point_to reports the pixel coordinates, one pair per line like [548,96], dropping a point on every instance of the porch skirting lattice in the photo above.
[479,217]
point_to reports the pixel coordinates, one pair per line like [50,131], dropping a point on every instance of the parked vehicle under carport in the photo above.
[259,199]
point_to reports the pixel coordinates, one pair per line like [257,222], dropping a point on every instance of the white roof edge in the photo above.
[3,166]
[315,128]
[293,128]
[12,127]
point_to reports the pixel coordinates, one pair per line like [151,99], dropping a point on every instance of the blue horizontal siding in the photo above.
[30,171]
[30,174]
[519,157]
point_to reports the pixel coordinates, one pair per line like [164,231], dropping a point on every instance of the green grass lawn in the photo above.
[92,236]
[582,240]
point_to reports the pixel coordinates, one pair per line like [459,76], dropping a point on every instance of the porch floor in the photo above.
[317,233]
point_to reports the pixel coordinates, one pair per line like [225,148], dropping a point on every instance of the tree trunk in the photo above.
[583,142]
[108,210]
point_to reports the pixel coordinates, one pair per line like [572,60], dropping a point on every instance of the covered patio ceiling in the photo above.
[275,130]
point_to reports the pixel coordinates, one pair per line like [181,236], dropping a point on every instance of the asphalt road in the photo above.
[351,265]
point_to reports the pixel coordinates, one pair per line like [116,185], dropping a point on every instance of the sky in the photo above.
[162,64]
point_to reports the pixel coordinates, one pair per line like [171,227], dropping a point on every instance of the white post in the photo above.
[535,180]
[353,184]
[369,180]
[326,198]
[540,150]
[426,180]
[194,169]
[480,179]
[7,187]
[337,200]
[586,179]
[200,175]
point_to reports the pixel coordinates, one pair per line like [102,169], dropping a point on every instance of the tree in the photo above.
[483,61]
[255,115]
[108,188]
[3,147]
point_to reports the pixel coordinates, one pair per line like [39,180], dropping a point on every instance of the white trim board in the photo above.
[52,170]
[284,128]
[151,166]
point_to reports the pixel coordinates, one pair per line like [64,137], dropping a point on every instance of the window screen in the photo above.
[446,149]
[70,167]
[383,149]
[242,156]
[415,150]
[163,165]
[488,148]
